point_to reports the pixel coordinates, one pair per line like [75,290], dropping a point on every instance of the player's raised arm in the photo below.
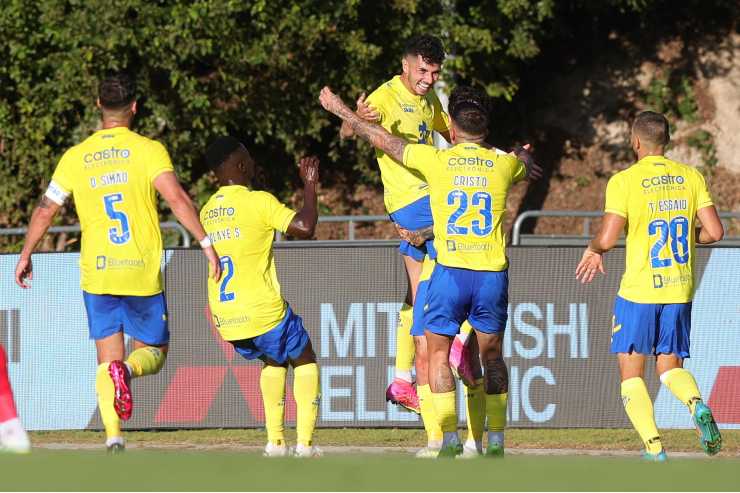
[183,209]
[524,154]
[304,222]
[376,135]
[40,222]
[364,111]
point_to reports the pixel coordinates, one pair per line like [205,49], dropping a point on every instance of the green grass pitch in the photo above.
[148,470]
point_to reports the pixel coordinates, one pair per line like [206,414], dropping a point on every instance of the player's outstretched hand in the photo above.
[23,271]
[590,264]
[213,262]
[330,101]
[524,154]
[365,111]
[309,170]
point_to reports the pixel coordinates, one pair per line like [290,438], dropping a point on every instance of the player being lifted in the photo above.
[658,201]
[468,186]
[407,107]
[113,176]
[246,305]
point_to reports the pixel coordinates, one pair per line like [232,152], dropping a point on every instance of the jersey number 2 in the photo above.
[227,266]
[678,230]
[482,199]
[113,234]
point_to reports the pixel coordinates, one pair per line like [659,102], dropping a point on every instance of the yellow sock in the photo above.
[272,386]
[405,349]
[429,414]
[681,383]
[475,405]
[639,408]
[496,411]
[444,406]
[105,390]
[306,390]
[146,361]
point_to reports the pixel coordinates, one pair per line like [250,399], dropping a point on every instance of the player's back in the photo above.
[241,223]
[659,198]
[413,118]
[468,188]
[110,176]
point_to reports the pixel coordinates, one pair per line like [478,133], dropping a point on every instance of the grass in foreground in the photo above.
[570,438]
[224,471]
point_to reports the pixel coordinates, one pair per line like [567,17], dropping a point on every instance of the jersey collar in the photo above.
[401,89]
[653,160]
[114,130]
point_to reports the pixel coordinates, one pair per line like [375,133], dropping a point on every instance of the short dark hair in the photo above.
[469,108]
[429,47]
[219,150]
[653,127]
[117,91]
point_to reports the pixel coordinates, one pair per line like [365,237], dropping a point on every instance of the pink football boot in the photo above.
[403,393]
[123,402]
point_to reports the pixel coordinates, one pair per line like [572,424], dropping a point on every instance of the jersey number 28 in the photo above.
[678,231]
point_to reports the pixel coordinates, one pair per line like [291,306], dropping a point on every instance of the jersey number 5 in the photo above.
[678,230]
[113,234]
[478,199]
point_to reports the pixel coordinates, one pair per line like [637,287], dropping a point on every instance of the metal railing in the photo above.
[75,228]
[351,223]
[587,216]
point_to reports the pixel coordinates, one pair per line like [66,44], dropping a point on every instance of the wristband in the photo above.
[205,242]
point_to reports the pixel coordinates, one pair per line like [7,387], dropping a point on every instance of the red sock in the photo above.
[7,406]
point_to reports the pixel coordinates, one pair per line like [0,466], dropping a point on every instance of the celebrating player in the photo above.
[407,107]
[246,306]
[13,437]
[468,186]
[112,176]
[658,200]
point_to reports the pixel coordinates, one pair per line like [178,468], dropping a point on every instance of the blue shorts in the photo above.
[649,328]
[417,328]
[142,317]
[455,294]
[417,215]
[286,341]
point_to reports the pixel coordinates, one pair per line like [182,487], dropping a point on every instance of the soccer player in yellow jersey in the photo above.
[468,187]
[246,305]
[407,107]
[113,176]
[658,201]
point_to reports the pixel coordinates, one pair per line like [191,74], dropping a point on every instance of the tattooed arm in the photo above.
[415,237]
[376,135]
[40,222]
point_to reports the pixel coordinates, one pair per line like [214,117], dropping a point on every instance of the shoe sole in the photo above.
[405,406]
[123,402]
[709,435]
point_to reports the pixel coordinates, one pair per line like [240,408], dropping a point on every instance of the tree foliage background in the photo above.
[249,68]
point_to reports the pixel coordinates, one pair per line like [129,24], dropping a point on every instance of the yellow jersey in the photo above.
[110,177]
[413,118]
[659,199]
[468,185]
[246,301]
